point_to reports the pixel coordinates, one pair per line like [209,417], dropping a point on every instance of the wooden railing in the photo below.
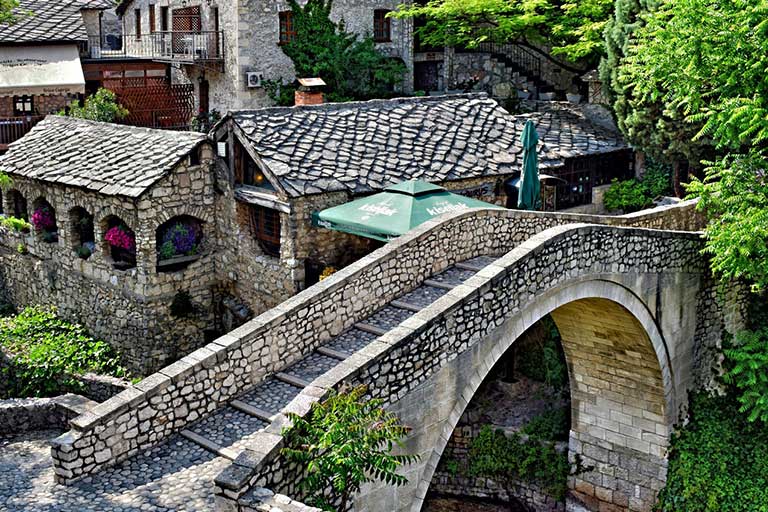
[14,128]
[182,46]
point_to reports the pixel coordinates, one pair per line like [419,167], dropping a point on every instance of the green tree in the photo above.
[343,443]
[352,68]
[8,11]
[102,106]
[734,194]
[573,29]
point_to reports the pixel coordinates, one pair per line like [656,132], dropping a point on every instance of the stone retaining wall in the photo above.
[25,414]
[145,414]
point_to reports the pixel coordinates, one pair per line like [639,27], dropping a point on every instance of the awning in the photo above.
[38,70]
[400,208]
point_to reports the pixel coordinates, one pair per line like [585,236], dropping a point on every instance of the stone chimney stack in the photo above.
[309,92]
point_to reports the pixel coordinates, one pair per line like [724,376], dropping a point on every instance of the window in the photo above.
[81,225]
[119,243]
[23,105]
[287,31]
[265,228]
[137,16]
[151,18]
[382,27]
[247,172]
[44,220]
[179,242]
[164,18]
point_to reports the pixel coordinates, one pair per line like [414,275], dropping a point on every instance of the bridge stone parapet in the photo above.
[166,402]
[624,405]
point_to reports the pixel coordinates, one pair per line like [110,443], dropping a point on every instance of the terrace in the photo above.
[204,48]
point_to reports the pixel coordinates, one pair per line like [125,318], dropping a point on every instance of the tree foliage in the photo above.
[343,443]
[46,354]
[573,29]
[637,194]
[9,11]
[734,194]
[352,68]
[102,106]
[746,368]
[718,462]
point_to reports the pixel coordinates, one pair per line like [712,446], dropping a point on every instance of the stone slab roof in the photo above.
[49,21]
[365,146]
[106,158]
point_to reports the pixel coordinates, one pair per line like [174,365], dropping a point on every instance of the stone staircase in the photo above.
[178,474]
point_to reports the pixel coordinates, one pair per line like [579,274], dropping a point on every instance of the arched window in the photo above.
[18,205]
[81,227]
[43,219]
[180,241]
[119,243]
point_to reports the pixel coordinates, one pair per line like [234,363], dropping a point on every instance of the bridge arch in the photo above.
[623,398]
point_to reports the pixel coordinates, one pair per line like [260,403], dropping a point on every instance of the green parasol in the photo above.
[530,188]
[395,211]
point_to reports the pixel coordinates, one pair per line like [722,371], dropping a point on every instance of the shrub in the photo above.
[102,106]
[638,194]
[343,443]
[718,461]
[553,425]
[546,362]
[16,224]
[47,353]
[507,458]
[746,369]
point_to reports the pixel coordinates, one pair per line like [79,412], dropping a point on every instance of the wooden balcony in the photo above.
[204,48]
[14,128]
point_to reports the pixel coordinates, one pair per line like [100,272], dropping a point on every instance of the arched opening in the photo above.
[621,389]
[18,204]
[180,241]
[43,219]
[509,450]
[119,244]
[81,228]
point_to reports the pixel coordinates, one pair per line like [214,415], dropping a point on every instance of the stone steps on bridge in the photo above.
[228,431]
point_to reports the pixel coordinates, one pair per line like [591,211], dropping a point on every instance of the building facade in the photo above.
[226,49]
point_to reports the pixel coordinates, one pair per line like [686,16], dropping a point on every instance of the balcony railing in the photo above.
[14,128]
[178,46]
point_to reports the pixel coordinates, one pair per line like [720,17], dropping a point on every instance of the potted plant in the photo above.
[44,222]
[547,96]
[123,246]
[180,243]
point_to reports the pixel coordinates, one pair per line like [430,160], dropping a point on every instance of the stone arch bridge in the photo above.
[421,322]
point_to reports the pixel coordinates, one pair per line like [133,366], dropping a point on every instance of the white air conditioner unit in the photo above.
[253,79]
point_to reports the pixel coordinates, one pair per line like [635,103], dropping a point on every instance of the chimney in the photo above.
[309,92]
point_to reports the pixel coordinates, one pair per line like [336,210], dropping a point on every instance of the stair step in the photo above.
[271,395]
[350,341]
[370,328]
[293,381]
[253,411]
[438,284]
[469,266]
[405,305]
[332,353]
[210,445]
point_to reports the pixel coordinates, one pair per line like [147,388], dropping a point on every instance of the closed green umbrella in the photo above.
[395,211]
[530,188]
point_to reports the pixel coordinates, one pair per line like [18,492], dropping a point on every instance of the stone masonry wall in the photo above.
[130,309]
[165,402]
[399,361]
[449,482]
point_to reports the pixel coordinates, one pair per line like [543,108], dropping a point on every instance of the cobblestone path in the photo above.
[177,475]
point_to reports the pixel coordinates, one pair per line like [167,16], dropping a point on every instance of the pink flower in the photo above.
[119,237]
[43,219]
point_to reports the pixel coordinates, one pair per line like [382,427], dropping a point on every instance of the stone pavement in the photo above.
[178,474]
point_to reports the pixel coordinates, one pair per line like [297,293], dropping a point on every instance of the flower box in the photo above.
[178,260]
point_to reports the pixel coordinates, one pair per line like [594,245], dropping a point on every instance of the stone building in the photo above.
[82,184]
[225,49]
[286,163]
[155,243]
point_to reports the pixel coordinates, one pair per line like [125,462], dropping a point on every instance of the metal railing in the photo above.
[517,53]
[14,128]
[183,46]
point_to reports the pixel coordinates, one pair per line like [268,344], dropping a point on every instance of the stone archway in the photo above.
[622,392]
